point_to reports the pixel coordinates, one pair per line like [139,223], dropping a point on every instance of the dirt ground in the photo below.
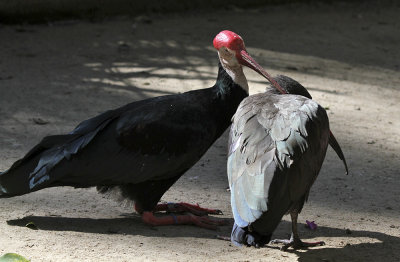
[347,55]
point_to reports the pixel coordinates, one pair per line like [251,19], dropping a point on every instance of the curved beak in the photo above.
[246,60]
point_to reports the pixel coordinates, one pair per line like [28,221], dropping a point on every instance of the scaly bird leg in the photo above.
[185,207]
[295,240]
[190,219]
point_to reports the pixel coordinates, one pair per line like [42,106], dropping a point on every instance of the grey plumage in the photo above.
[272,139]
[277,147]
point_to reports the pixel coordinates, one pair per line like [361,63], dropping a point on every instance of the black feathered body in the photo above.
[142,147]
[277,147]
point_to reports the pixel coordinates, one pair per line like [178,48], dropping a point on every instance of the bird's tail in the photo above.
[3,191]
[14,182]
[335,145]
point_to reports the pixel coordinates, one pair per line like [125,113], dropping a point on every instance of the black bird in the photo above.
[141,148]
[277,146]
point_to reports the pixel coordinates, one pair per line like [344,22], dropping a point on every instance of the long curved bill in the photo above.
[247,60]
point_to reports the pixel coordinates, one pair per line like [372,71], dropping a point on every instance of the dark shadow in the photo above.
[380,244]
[131,224]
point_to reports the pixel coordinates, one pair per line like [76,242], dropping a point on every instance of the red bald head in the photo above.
[230,40]
[235,43]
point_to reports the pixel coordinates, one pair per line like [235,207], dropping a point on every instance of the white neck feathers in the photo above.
[236,73]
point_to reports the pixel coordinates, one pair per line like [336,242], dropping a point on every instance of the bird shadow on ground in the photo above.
[130,224]
[358,245]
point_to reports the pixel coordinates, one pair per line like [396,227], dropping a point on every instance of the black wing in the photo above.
[148,140]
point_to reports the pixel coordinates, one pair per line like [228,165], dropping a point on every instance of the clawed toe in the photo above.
[200,211]
[207,222]
[218,212]
[226,238]
[186,207]
[183,219]
[296,244]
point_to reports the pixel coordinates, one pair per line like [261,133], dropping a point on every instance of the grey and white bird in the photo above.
[278,141]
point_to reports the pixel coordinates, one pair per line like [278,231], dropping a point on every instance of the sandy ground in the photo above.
[54,76]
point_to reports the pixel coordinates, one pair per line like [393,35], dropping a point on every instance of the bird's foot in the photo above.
[186,219]
[296,243]
[242,236]
[226,238]
[206,221]
[186,207]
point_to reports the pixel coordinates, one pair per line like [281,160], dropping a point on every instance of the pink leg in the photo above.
[200,221]
[185,207]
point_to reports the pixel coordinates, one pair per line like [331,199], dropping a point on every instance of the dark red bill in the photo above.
[247,60]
